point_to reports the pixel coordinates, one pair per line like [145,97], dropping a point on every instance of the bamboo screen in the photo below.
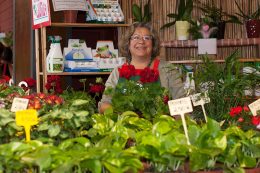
[160,9]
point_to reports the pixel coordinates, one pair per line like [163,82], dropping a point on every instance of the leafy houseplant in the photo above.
[251,19]
[216,17]
[225,84]
[140,14]
[181,19]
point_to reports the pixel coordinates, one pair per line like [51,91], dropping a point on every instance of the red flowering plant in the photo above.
[97,88]
[53,84]
[31,84]
[243,118]
[139,91]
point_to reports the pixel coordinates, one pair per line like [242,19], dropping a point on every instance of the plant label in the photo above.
[19,104]
[254,107]
[180,106]
[26,118]
[200,99]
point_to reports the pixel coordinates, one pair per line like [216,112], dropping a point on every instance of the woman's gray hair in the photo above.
[125,41]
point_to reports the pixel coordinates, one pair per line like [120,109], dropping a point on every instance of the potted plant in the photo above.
[142,14]
[251,19]
[181,19]
[216,17]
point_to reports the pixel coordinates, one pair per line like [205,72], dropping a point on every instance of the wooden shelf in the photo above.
[77,73]
[217,60]
[86,25]
[220,43]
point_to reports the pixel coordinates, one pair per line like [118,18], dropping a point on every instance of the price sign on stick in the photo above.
[180,107]
[19,104]
[27,118]
[201,99]
[254,107]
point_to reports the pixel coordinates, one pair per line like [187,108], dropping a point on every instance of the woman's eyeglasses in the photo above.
[139,37]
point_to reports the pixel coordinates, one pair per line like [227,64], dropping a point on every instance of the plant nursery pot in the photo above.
[253,170]
[221,30]
[70,16]
[182,30]
[253,28]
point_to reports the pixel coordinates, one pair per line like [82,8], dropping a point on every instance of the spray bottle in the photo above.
[55,60]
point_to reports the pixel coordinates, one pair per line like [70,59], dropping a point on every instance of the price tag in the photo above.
[27,118]
[180,106]
[254,107]
[19,104]
[200,99]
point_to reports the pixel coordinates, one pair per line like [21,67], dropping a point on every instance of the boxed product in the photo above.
[104,11]
[106,55]
[78,57]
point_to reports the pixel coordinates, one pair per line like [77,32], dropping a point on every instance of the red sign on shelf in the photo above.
[40,13]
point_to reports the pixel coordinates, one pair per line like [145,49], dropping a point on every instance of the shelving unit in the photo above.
[176,44]
[41,51]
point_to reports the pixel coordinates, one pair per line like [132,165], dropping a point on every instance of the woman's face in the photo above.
[141,43]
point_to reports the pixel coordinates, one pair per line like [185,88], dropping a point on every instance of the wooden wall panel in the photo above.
[23,48]
[6,15]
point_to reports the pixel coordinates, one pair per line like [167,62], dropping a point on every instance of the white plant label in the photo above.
[19,104]
[180,106]
[254,107]
[200,99]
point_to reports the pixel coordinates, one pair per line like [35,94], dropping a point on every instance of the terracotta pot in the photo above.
[70,16]
[253,28]
[253,170]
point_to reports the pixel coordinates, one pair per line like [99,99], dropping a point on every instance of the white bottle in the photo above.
[55,60]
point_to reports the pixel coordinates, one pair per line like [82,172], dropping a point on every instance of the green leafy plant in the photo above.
[183,12]
[142,14]
[225,84]
[248,15]
[215,14]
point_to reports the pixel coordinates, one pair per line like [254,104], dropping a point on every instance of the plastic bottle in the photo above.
[55,60]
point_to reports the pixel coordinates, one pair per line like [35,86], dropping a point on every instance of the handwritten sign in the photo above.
[180,107]
[27,118]
[19,104]
[59,5]
[254,107]
[201,99]
[40,13]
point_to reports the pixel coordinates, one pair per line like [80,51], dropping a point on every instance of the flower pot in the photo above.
[70,16]
[253,28]
[221,30]
[207,46]
[182,30]
[252,170]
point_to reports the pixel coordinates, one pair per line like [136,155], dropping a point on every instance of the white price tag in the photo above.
[200,99]
[180,106]
[254,107]
[19,104]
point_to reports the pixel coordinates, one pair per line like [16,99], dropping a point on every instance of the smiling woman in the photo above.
[141,47]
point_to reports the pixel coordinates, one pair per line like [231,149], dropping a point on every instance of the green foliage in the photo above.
[215,14]
[183,13]
[225,84]
[249,14]
[142,14]
[145,99]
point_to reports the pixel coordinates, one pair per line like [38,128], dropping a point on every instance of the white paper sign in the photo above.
[59,5]
[40,13]
[200,99]
[180,106]
[19,104]
[254,107]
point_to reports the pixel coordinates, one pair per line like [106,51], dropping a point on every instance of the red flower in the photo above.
[149,75]
[96,88]
[165,99]
[31,82]
[255,120]
[6,78]
[240,119]
[246,109]
[126,71]
[54,84]
[235,111]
